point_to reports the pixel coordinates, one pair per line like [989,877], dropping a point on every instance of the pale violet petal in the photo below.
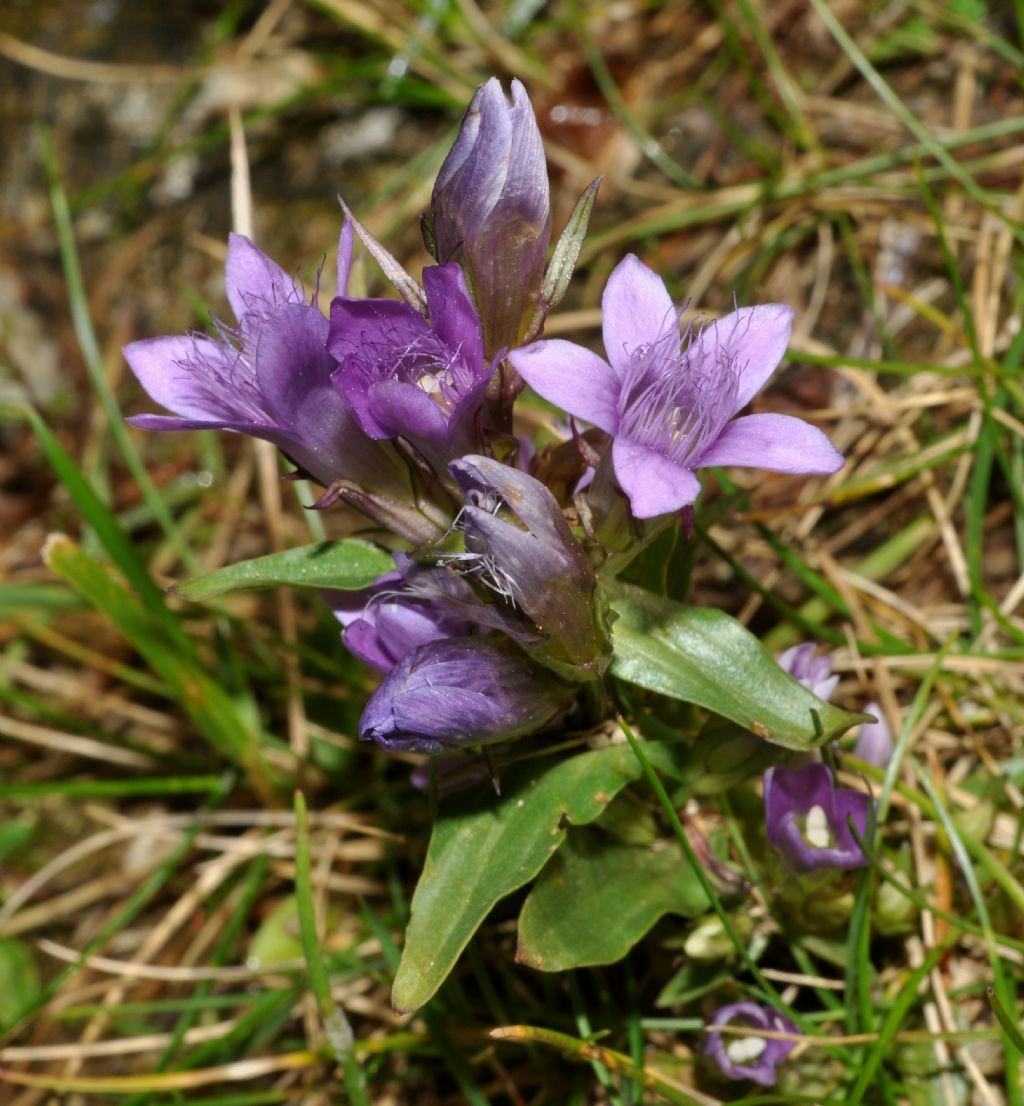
[572,378]
[180,372]
[781,443]
[654,484]
[253,281]
[752,340]
[636,310]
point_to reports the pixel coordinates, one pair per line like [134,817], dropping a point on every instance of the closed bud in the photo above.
[491,210]
[461,692]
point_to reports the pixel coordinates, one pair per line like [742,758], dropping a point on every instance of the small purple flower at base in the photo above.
[807,818]
[491,211]
[814,672]
[458,693]
[269,378]
[753,1058]
[407,378]
[670,404]
[874,739]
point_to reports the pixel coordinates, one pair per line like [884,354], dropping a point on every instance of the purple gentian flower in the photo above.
[491,210]
[754,1058]
[814,672]
[670,406]
[807,818]
[874,739]
[407,378]
[460,692]
[519,544]
[269,378]
[386,621]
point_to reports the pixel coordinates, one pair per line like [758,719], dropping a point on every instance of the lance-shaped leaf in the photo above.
[484,847]
[563,259]
[344,565]
[704,656]
[597,898]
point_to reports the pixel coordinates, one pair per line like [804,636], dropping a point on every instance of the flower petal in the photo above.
[753,340]
[452,314]
[179,372]
[781,443]
[636,309]
[573,378]
[253,281]
[654,484]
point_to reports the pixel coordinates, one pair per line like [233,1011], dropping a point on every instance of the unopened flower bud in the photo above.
[459,692]
[874,739]
[491,210]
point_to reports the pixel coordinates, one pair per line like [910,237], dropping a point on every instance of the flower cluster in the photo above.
[493,624]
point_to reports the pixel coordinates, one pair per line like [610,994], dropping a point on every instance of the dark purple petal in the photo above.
[636,310]
[749,1057]
[573,378]
[456,693]
[653,484]
[452,314]
[807,818]
[780,443]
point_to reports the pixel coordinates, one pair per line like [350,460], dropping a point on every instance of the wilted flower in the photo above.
[270,377]
[459,692]
[385,622]
[814,672]
[874,739]
[519,544]
[807,818]
[670,405]
[754,1058]
[407,378]
[491,211]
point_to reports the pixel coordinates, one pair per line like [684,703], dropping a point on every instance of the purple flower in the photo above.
[491,210]
[407,378]
[815,673]
[670,405]
[520,546]
[459,692]
[270,377]
[386,621]
[807,818]
[874,739]
[754,1058]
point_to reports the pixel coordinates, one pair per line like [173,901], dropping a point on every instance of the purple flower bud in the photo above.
[815,673]
[807,818]
[452,694]
[670,403]
[754,1058]
[270,377]
[519,544]
[874,739]
[384,622]
[407,378]
[491,210]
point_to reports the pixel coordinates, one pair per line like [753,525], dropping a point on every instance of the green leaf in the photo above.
[704,656]
[484,847]
[347,565]
[596,899]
